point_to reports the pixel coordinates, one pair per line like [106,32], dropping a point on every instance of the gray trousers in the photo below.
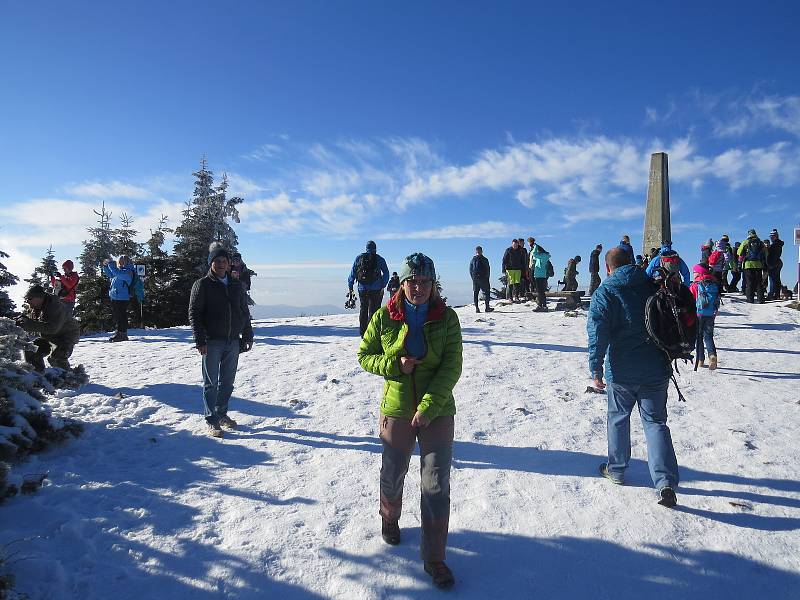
[436,454]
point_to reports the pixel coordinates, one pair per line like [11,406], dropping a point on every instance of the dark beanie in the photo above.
[217,250]
[371,247]
[35,290]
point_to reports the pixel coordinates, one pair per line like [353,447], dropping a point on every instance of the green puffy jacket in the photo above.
[429,388]
[744,250]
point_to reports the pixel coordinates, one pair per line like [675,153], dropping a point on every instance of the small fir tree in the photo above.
[7,279]
[94,306]
[157,278]
[47,268]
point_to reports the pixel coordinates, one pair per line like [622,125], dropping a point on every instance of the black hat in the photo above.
[217,250]
[371,246]
[35,290]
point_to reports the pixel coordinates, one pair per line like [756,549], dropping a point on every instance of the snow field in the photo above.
[145,504]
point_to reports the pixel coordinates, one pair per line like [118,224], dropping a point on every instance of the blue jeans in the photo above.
[705,333]
[653,412]
[219,372]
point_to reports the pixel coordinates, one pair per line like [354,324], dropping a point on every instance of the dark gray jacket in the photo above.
[218,311]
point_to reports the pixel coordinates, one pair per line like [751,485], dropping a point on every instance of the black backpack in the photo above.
[550,270]
[367,268]
[670,317]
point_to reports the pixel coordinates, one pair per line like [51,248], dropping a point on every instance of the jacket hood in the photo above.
[627,275]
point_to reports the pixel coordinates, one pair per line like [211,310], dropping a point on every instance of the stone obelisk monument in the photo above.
[656,216]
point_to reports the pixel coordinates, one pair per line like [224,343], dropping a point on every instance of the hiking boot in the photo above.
[712,362]
[701,363]
[441,574]
[477,310]
[390,532]
[227,422]
[610,476]
[667,497]
[119,337]
[489,309]
[214,430]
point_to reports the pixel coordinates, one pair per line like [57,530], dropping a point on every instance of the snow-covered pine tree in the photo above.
[205,220]
[6,280]
[157,278]
[94,307]
[47,268]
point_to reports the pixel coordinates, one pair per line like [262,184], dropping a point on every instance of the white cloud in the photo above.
[108,189]
[489,229]
[525,197]
[263,153]
[300,266]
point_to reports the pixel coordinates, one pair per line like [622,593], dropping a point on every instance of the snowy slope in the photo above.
[145,505]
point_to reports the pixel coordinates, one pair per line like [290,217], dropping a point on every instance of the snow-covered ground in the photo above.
[146,505]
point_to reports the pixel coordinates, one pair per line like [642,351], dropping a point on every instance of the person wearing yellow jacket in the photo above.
[415,343]
[753,255]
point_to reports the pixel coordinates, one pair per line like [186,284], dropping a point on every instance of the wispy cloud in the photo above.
[263,153]
[108,189]
[753,113]
[486,230]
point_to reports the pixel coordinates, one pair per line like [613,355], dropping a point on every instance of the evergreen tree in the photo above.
[6,280]
[94,306]
[205,220]
[157,277]
[125,244]
[46,269]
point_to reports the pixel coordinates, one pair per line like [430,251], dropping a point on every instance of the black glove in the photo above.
[245,346]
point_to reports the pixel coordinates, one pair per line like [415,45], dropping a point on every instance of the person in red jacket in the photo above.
[66,286]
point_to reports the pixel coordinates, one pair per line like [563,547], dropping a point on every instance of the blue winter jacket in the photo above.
[617,334]
[121,280]
[687,278]
[629,251]
[378,284]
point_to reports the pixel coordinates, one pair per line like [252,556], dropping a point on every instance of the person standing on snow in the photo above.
[121,275]
[220,321]
[415,344]
[705,290]
[479,272]
[594,268]
[670,260]
[393,285]
[637,373]
[625,245]
[753,255]
[372,274]
[571,274]
[774,265]
[57,331]
[67,286]
[539,261]
[513,264]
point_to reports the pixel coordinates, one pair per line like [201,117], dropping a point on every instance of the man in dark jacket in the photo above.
[594,268]
[636,370]
[571,274]
[479,271]
[774,265]
[372,275]
[220,320]
[58,332]
[513,264]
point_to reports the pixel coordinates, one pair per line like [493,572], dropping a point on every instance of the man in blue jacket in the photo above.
[666,253]
[121,275]
[636,371]
[372,274]
[625,245]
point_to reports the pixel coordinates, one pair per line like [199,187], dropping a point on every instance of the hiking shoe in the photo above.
[119,338]
[477,310]
[712,363]
[667,497]
[489,309]
[390,532]
[610,476]
[227,422]
[701,364]
[441,574]
[214,430]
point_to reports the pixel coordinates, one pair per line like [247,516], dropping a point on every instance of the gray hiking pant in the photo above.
[436,454]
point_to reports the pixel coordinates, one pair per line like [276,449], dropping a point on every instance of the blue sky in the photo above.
[424,126]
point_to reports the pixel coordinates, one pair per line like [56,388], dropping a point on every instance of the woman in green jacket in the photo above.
[414,342]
